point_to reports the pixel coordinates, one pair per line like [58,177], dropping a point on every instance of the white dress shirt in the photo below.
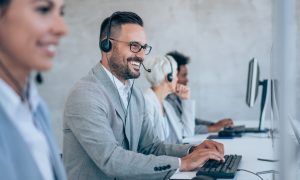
[22,117]
[123,89]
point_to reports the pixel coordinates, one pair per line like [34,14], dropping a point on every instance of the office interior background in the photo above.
[219,36]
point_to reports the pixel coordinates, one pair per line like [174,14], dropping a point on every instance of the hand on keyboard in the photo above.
[201,153]
[218,169]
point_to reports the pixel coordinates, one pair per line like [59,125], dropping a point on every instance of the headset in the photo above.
[105,44]
[170,74]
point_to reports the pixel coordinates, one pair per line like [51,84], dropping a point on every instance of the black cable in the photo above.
[127,109]
[251,173]
[268,172]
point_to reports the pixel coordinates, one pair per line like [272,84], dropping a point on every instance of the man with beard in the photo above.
[107,134]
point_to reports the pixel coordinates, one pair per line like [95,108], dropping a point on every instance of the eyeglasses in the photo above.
[136,47]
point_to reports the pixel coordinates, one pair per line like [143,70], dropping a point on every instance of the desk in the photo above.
[251,146]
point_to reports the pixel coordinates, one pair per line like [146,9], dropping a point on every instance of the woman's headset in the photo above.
[170,75]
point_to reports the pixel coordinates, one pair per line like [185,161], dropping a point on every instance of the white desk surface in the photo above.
[251,146]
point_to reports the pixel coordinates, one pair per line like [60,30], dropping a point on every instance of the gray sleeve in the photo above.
[201,129]
[203,122]
[87,112]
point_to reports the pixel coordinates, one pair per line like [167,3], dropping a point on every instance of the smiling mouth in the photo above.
[135,64]
[48,47]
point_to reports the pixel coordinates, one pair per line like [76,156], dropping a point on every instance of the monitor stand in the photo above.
[263,105]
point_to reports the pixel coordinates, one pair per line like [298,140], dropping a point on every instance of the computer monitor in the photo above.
[296,128]
[253,85]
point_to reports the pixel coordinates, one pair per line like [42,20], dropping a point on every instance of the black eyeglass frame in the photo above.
[134,43]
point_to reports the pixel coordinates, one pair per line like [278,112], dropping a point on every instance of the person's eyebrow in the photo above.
[50,2]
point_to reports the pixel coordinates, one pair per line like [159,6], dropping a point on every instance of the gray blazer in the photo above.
[100,143]
[16,161]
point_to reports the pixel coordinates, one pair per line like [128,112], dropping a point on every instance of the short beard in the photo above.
[122,70]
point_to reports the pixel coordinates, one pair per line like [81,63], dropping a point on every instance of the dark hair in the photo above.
[117,19]
[3,5]
[180,58]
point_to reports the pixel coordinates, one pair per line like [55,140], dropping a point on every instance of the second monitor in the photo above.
[253,84]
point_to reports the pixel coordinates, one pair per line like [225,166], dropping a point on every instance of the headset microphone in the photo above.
[148,70]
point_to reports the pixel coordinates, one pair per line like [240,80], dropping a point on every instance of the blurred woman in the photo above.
[30,31]
[163,79]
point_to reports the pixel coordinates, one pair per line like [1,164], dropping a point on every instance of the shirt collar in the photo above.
[124,88]
[10,100]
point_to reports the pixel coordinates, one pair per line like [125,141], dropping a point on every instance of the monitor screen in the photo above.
[253,82]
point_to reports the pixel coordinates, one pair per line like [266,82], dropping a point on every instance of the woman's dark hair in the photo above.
[3,5]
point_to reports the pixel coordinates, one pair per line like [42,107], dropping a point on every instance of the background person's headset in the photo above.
[170,74]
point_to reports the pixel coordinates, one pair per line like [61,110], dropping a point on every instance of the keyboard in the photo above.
[235,131]
[243,129]
[218,169]
[240,128]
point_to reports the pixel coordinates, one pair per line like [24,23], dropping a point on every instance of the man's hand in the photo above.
[220,125]
[209,144]
[201,153]
[182,91]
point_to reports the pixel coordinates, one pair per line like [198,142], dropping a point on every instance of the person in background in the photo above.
[202,126]
[163,79]
[29,33]
[107,134]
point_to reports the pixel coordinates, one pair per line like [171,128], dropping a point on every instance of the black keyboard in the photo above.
[240,128]
[235,131]
[243,129]
[218,169]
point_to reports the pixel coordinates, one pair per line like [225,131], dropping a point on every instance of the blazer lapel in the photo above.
[111,89]
[130,126]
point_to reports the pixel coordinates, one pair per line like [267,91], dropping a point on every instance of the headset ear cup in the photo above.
[105,45]
[170,77]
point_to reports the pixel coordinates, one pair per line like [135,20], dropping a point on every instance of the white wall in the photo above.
[298,59]
[219,36]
